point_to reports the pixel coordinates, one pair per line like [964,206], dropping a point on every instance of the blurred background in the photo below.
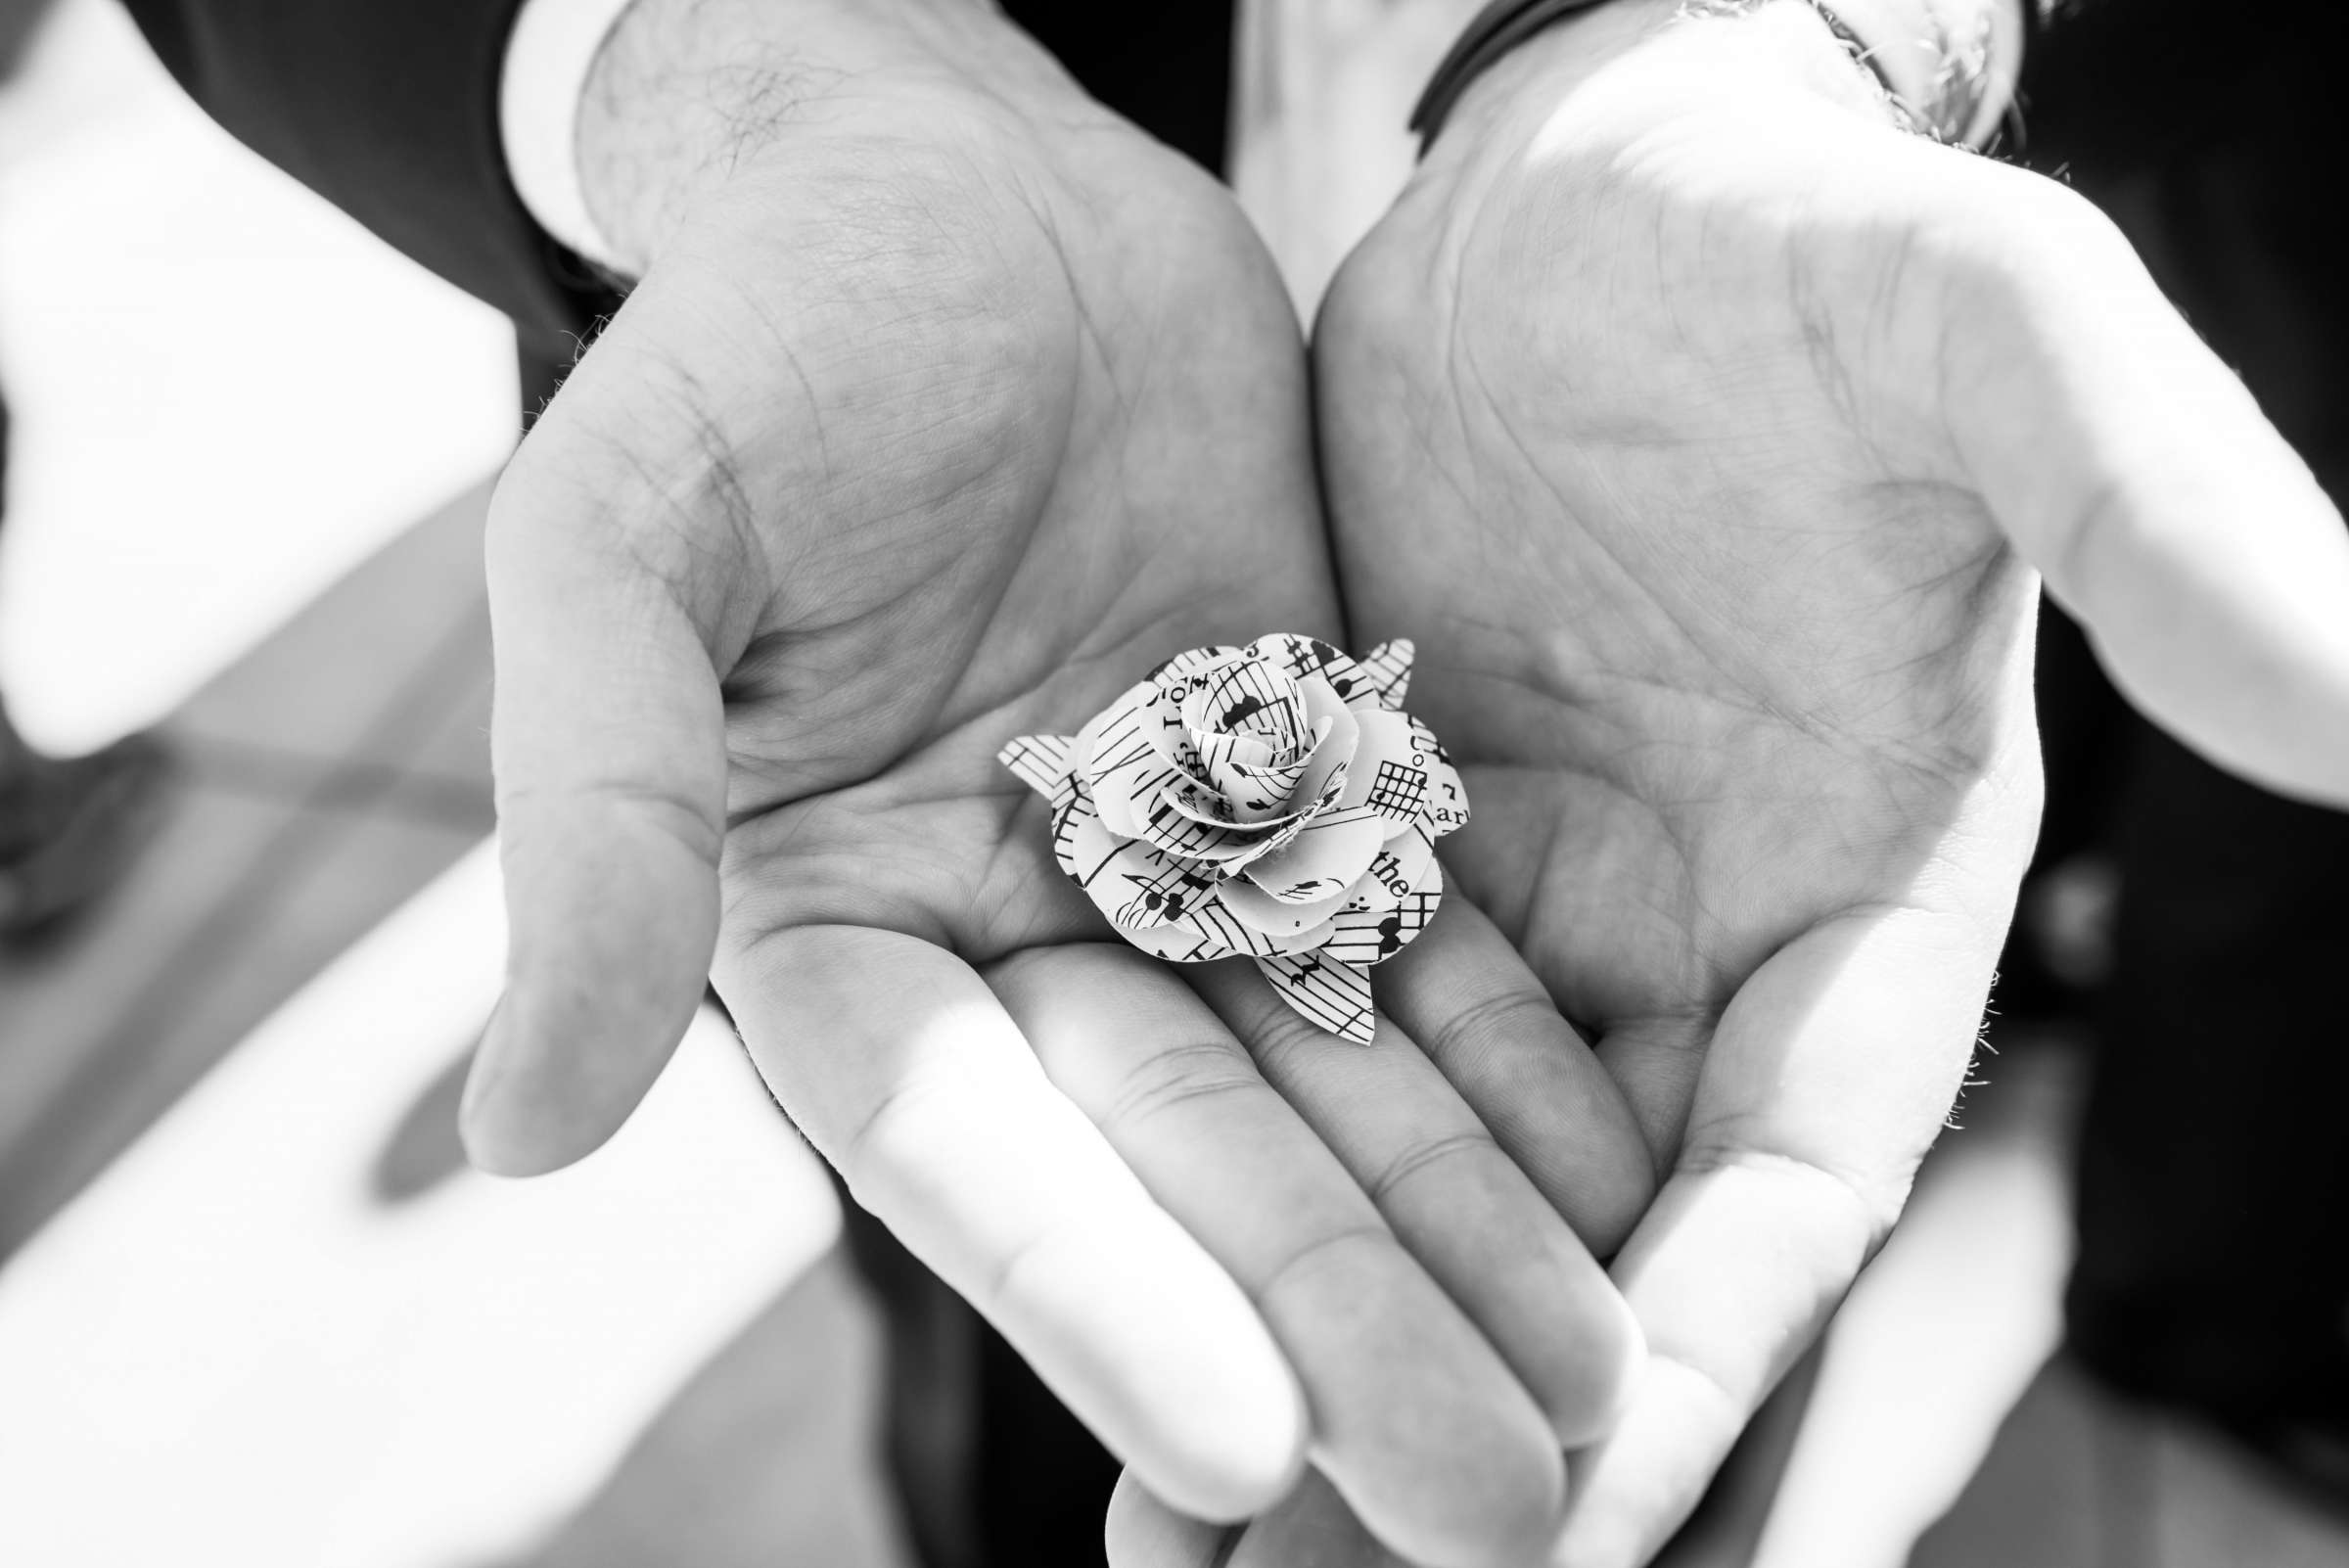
[253,1307]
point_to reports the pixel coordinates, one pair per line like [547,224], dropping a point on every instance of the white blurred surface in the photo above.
[224,393]
[230,1348]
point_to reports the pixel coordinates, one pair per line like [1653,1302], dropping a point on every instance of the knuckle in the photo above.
[1428,1156]
[1001,1285]
[1178,1077]
[1368,1243]
[638,462]
[1492,1022]
[1867,1203]
[898,1119]
[1280,1039]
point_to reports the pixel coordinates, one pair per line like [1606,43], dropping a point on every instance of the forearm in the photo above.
[1320,142]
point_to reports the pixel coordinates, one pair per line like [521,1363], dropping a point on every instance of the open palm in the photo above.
[1708,431]
[950,408]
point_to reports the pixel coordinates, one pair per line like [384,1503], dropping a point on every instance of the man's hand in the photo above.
[947,406]
[1707,433]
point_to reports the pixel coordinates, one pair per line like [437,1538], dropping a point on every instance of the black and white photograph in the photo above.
[1242,784]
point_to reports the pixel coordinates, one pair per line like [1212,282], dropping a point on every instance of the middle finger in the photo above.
[1416,1417]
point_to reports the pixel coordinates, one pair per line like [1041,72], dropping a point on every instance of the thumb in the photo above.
[2130,464]
[609,739]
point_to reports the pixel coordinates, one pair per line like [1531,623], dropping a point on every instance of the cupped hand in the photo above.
[1711,434]
[947,406]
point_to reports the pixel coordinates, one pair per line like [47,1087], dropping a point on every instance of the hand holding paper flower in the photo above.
[1272,800]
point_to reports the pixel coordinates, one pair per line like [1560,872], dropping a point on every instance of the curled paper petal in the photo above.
[1373,935]
[1271,800]
[1400,867]
[1171,674]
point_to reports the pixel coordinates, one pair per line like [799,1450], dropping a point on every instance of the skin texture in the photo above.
[1707,431]
[949,405]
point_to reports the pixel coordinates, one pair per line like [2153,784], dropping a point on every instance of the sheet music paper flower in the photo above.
[1272,800]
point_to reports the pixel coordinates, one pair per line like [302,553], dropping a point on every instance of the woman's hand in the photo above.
[1711,435]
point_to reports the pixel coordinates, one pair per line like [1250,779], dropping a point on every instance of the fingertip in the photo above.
[1518,1519]
[1141,1532]
[541,1096]
[1229,1482]
[1203,1407]
[1501,1504]
[1635,1489]
[1611,1356]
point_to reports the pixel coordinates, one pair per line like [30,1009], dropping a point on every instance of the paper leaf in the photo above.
[1040,761]
[1387,671]
[1327,994]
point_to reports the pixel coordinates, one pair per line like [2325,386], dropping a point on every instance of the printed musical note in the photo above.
[1373,935]
[1334,996]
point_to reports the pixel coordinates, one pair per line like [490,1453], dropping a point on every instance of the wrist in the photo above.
[1946,66]
[685,95]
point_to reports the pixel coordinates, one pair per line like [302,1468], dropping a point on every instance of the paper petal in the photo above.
[1325,858]
[1072,819]
[1161,727]
[1391,772]
[1247,697]
[1124,796]
[1040,761]
[1374,936]
[1303,656]
[1258,910]
[1185,799]
[1212,921]
[1185,840]
[1397,871]
[1256,794]
[1288,832]
[1177,945]
[1446,807]
[1177,670]
[1132,883]
[1332,995]
[1330,758]
[1387,671]
[1160,891]
[1218,751]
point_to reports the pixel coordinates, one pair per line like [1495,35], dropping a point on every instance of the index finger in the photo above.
[906,1072]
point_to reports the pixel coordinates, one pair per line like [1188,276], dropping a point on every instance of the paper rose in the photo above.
[1272,800]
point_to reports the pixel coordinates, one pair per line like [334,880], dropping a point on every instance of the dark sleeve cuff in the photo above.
[387,108]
